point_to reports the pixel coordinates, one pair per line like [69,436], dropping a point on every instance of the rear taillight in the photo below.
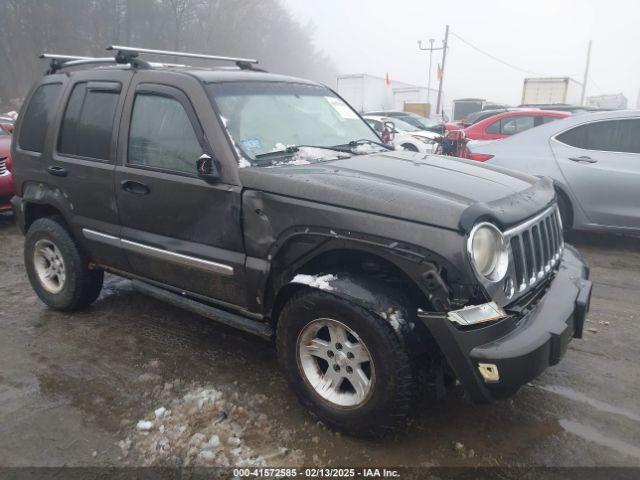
[479,157]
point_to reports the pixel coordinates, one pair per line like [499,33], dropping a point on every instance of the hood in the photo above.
[428,189]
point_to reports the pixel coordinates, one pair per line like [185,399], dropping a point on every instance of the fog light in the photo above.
[489,372]
[471,315]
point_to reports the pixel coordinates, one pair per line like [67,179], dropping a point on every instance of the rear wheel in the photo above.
[346,364]
[57,269]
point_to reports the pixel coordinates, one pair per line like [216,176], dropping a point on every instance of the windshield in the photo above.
[266,117]
[420,122]
[402,126]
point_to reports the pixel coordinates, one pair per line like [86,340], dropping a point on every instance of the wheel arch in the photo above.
[39,201]
[378,279]
[561,191]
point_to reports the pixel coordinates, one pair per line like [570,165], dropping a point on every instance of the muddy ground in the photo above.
[73,388]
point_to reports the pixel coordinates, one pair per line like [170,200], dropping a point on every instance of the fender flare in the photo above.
[378,298]
[43,194]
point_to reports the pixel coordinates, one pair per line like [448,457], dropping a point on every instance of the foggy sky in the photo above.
[544,36]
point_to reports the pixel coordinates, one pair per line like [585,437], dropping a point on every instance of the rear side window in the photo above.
[607,136]
[511,125]
[88,122]
[161,135]
[38,116]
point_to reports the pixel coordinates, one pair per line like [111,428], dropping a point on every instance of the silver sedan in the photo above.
[594,160]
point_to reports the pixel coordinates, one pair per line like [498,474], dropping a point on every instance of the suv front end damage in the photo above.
[493,349]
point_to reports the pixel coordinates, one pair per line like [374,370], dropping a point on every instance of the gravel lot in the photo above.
[74,388]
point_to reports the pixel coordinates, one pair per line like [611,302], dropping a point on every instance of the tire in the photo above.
[409,147]
[392,380]
[566,213]
[57,269]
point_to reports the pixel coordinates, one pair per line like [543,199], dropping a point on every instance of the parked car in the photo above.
[266,203]
[6,178]
[593,159]
[405,135]
[421,123]
[510,122]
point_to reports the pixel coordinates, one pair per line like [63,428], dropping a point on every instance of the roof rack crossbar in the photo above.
[136,50]
[63,61]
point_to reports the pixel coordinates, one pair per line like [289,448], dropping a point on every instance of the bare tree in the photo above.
[262,29]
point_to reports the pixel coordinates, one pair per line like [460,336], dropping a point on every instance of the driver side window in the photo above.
[161,135]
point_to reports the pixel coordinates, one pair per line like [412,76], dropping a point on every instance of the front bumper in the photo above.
[524,344]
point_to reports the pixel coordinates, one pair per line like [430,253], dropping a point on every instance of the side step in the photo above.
[222,316]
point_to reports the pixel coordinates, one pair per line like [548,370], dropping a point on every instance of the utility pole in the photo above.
[586,74]
[430,50]
[445,45]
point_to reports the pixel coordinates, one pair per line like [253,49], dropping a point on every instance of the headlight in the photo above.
[488,251]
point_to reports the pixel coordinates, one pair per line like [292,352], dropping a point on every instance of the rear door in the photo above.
[177,228]
[83,160]
[601,163]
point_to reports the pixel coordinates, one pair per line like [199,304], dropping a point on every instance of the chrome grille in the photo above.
[536,246]
[3,166]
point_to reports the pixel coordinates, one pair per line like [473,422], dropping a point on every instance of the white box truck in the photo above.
[368,93]
[551,90]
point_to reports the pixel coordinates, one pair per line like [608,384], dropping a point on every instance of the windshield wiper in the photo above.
[291,149]
[355,143]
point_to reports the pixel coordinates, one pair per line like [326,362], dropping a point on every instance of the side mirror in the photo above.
[207,167]
[389,132]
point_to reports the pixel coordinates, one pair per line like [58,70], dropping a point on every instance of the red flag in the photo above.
[387,80]
[440,72]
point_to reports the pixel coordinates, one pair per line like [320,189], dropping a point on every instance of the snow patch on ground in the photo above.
[202,426]
[323,282]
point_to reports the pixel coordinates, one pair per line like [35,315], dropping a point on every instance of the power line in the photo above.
[510,65]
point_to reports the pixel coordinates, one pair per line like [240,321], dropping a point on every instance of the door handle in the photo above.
[583,159]
[57,171]
[134,187]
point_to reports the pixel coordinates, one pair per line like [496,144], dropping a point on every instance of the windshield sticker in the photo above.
[251,144]
[341,108]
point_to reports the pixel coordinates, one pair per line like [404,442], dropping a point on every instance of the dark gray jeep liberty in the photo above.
[266,203]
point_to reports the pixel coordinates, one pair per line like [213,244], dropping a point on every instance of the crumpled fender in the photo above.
[374,295]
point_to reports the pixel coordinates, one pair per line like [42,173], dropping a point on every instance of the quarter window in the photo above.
[38,116]
[161,135]
[88,123]
[607,136]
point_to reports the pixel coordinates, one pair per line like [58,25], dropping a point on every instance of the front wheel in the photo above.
[346,364]
[57,269]
[409,147]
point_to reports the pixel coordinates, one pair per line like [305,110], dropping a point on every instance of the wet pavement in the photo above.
[73,387]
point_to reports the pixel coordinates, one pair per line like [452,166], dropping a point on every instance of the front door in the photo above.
[601,162]
[177,228]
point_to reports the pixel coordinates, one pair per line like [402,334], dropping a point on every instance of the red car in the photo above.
[6,179]
[505,124]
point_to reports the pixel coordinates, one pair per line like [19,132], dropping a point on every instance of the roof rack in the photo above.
[64,61]
[129,55]
[242,63]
